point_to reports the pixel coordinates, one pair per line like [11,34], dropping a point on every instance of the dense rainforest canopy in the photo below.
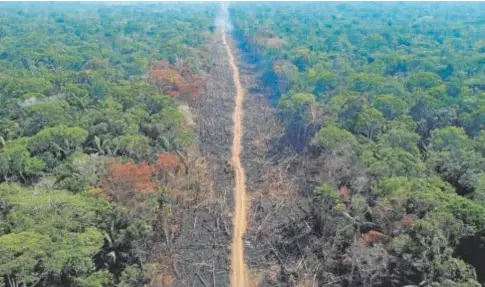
[385,104]
[84,134]
[383,109]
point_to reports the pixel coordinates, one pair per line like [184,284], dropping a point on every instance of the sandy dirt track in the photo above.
[238,269]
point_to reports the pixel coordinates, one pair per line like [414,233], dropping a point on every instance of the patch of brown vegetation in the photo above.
[407,221]
[167,79]
[176,80]
[344,194]
[371,238]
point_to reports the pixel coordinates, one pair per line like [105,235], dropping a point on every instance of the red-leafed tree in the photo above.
[371,237]
[176,80]
[125,182]
[168,161]
[167,79]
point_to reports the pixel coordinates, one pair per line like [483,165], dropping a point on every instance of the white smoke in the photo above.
[222,19]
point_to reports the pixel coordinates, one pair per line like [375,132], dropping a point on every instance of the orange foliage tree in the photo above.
[407,221]
[176,80]
[168,161]
[125,182]
[371,237]
[344,194]
[168,79]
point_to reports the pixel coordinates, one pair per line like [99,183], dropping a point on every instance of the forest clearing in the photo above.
[253,144]
[238,277]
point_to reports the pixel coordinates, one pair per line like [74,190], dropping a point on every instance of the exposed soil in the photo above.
[238,274]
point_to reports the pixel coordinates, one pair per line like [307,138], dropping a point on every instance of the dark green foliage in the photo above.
[399,87]
[74,95]
[46,233]
[76,82]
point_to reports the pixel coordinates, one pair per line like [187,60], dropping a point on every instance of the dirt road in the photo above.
[238,270]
